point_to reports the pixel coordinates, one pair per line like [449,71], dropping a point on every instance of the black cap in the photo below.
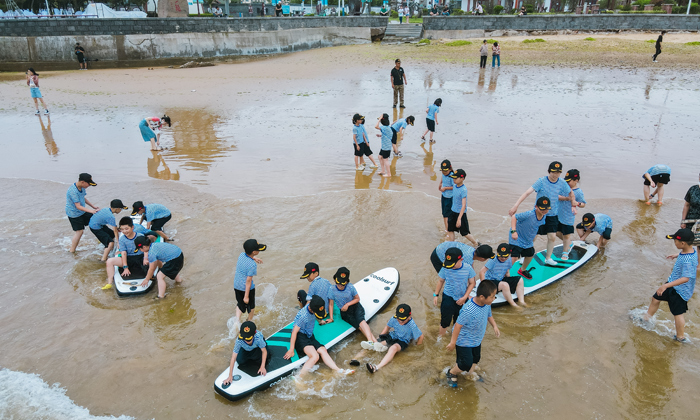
[318,306]
[685,235]
[308,269]
[87,178]
[252,245]
[117,204]
[484,251]
[403,311]
[342,276]
[398,60]
[248,330]
[503,250]
[543,203]
[555,167]
[138,206]
[357,117]
[588,219]
[141,241]
[452,256]
[572,175]
[410,119]
[459,173]
[445,165]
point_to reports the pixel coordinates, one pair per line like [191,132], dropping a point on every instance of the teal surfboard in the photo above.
[544,275]
[375,290]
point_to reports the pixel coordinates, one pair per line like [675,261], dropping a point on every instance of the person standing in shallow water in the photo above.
[484,51]
[659,40]
[33,83]
[496,55]
[398,80]
[79,215]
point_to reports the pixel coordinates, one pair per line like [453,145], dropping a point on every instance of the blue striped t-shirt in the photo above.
[258,343]
[686,266]
[321,288]
[659,169]
[341,297]
[458,193]
[387,134]
[399,124]
[407,332]
[127,245]
[156,211]
[432,110]
[526,226]
[245,267]
[456,281]
[551,190]
[161,251]
[497,269]
[74,195]
[473,319]
[566,213]
[357,132]
[602,222]
[447,181]
[467,251]
[306,321]
[101,218]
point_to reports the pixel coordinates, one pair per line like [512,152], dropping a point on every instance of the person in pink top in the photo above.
[150,130]
[33,83]
[496,55]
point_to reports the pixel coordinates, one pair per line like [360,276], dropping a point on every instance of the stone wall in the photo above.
[458,27]
[52,40]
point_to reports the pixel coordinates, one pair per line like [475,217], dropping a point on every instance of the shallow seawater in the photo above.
[279,169]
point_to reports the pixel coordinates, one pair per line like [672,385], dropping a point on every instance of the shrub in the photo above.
[497,9]
[373,13]
[626,8]
[694,9]
[693,43]
[458,43]
[530,8]
[394,14]
[651,41]
[490,41]
[457,12]
[424,41]
[532,41]
[589,39]
[641,3]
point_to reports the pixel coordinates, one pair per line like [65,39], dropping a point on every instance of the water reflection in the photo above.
[493,81]
[170,318]
[362,181]
[482,79]
[49,143]
[394,178]
[642,228]
[428,162]
[154,164]
[514,81]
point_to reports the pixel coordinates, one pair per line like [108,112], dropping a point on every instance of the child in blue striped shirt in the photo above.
[250,350]
[600,223]
[396,336]
[386,135]
[458,279]
[496,270]
[431,119]
[656,177]
[469,331]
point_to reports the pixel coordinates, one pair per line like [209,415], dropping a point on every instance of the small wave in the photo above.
[662,327]
[324,384]
[27,396]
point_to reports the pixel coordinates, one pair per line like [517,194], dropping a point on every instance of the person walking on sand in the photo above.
[659,40]
[33,83]
[484,51]
[495,55]
[398,80]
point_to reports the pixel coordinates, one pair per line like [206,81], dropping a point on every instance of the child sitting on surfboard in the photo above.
[481,253]
[600,223]
[345,296]
[469,331]
[250,350]
[104,226]
[566,213]
[168,258]
[318,287]
[304,342]
[457,221]
[243,286]
[680,284]
[496,269]
[523,230]
[157,215]
[130,258]
[459,279]
[396,336]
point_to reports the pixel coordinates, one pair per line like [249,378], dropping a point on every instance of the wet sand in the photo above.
[262,149]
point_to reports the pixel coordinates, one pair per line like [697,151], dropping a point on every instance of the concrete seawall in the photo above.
[459,27]
[120,40]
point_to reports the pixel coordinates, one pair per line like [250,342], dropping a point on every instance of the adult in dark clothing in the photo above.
[691,207]
[278,9]
[434,11]
[80,53]
[659,40]
[398,80]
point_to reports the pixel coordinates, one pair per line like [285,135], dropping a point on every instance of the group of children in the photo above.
[139,253]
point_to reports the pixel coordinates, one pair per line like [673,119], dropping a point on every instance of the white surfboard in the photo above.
[544,275]
[131,286]
[375,290]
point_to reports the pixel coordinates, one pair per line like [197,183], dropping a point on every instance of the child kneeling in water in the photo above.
[250,350]
[403,331]
[351,310]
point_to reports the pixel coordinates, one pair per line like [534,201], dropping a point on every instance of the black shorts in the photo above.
[565,229]
[551,223]
[431,124]
[452,224]
[240,294]
[172,268]
[252,358]
[301,297]
[157,224]
[359,151]
[79,223]
[676,303]
[518,252]
[105,235]
[437,264]
[391,341]
[366,150]
[304,341]
[449,311]
[135,262]
[446,204]
[512,283]
[81,58]
[467,356]
[385,153]
[394,136]
[354,315]
[658,179]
